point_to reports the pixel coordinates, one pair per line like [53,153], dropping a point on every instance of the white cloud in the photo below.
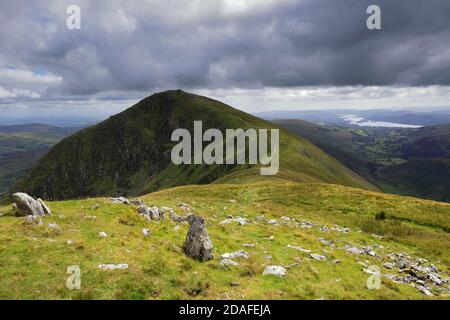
[20,76]
[319,97]
[18,93]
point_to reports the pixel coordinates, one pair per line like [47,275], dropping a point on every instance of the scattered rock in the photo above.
[389,265]
[339,229]
[417,271]
[53,226]
[175,217]
[113,266]
[370,271]
[326,242]
[299,248]
[241,220]
[435,278]
[271,221]
[354,250]
[424,290]
[363,264]
[235,255]
[317,257]
[156,213]
[198,244]
[25,205]
[146,232]
[228,262]
[121,200]
[260,218]
[372,253]
[306,224]
[278,271]
[248,245]
[137,202]
[143,210]
[368,250]
[226,221]
[185,207]
[102,234]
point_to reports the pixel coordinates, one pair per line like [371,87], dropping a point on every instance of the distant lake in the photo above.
[359,121]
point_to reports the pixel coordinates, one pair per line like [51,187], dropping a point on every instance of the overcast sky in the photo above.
[255,54]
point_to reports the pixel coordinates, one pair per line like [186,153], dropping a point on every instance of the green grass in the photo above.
[33,259]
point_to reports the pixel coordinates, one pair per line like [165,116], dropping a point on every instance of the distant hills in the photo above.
[22,145]
[129,153]
[412,162]
[337,116]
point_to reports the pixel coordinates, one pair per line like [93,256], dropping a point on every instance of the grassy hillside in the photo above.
[34,259]
[405,161]
[428,178]
[129,154]
[22,145]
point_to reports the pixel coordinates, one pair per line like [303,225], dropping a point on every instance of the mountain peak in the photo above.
[129,153]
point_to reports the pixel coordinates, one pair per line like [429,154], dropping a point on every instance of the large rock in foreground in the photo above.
[198,245]
[26,205]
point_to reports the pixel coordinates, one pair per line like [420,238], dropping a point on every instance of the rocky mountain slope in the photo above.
[129,154]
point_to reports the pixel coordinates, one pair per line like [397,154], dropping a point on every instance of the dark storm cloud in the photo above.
[127,46]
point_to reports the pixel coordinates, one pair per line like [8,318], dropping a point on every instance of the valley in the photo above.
[412,162]
[22,145]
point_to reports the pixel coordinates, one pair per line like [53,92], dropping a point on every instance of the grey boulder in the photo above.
[198,244]
[278,271]
[26,205]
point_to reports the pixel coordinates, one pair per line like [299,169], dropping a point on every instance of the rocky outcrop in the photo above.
[152,213]
[26,205]
[198,244]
